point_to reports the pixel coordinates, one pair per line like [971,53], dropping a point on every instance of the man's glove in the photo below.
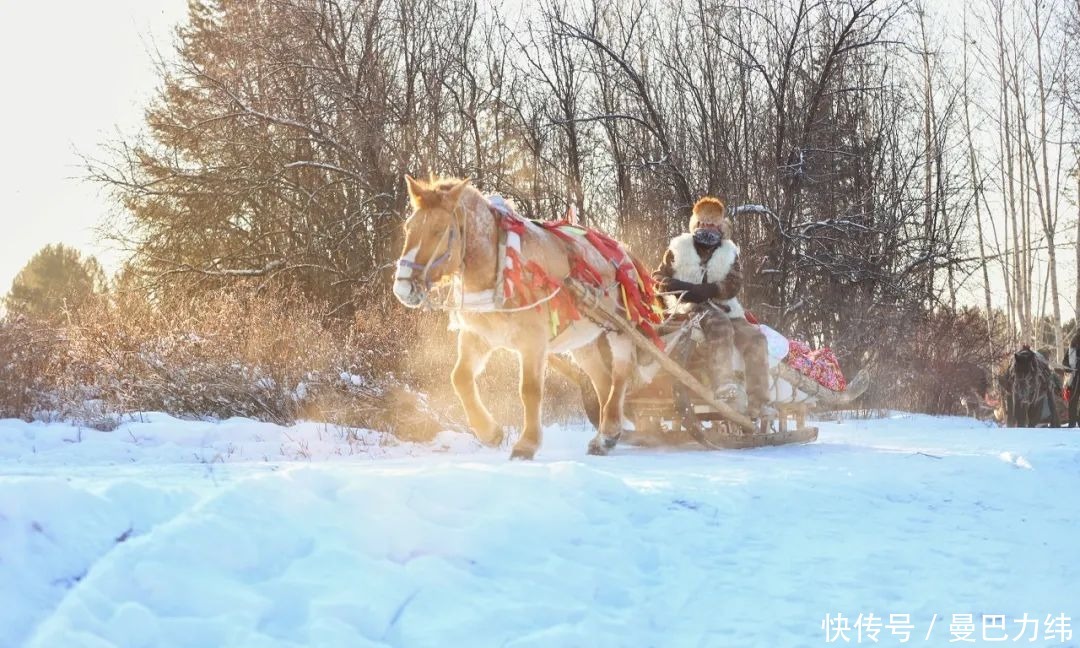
[692,292]
[672,284]
[698,293]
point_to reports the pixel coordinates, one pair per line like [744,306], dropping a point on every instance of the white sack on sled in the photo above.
[776,348]
[780,390]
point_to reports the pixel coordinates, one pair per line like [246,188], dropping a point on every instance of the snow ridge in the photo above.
[451,544]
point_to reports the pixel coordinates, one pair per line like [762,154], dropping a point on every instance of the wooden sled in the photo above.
[676,403]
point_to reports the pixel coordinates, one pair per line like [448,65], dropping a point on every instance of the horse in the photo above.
[456,249]
[1028,390]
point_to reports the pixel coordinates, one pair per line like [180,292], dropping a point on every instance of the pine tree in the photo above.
[264,159]
[55,280]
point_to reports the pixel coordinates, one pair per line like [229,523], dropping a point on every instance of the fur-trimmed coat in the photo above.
[686,261]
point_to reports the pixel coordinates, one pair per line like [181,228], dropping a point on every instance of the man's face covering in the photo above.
[708,237]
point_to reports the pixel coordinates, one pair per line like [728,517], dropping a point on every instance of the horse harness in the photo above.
[511,271]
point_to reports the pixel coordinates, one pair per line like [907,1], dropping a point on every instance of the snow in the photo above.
[166,532]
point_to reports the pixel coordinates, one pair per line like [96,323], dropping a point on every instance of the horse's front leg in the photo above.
[473,353]
[1016,409]
[533,361]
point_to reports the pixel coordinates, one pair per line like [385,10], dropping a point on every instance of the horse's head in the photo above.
[1024,363]
[1026,375]
[433,238]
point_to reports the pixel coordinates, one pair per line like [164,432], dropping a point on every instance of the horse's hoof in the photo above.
[609,442]
[525,454]
[598,448]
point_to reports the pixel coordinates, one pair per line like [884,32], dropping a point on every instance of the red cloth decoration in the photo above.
[638,292]
[525,283]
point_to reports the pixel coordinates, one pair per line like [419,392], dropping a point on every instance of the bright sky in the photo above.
[74,72]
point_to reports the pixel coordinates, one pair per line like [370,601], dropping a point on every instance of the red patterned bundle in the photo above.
[821,365]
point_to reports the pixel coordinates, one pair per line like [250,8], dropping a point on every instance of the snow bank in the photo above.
[911,514]
[156,438]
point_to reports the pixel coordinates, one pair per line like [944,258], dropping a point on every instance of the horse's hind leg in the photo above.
[473,353]
[592,361]
[589,400]
[619,371]
[623,363]
[532,396]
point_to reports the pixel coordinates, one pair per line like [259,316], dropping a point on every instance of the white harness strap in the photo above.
[493,299]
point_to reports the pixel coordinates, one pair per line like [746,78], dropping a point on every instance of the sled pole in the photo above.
[589,302]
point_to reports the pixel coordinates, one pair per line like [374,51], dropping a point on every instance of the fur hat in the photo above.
[711,210]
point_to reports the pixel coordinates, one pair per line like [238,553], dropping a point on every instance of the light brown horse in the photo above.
[452,237]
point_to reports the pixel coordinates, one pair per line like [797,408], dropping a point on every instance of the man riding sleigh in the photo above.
[702,274]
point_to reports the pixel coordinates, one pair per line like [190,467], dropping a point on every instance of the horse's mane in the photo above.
[445,183]
[434,190]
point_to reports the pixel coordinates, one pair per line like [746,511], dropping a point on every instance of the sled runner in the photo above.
[673,400]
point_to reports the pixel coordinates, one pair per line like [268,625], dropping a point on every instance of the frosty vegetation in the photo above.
[898,160]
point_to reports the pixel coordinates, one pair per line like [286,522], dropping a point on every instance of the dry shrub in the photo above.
[27,351]
[225,354]
[936,363]
[280,358]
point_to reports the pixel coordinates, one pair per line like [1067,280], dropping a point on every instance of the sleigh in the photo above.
[672,403]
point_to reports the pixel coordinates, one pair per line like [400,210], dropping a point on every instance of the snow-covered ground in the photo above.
[178,533]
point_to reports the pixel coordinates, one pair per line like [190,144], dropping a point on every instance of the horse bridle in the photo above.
[449,235]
